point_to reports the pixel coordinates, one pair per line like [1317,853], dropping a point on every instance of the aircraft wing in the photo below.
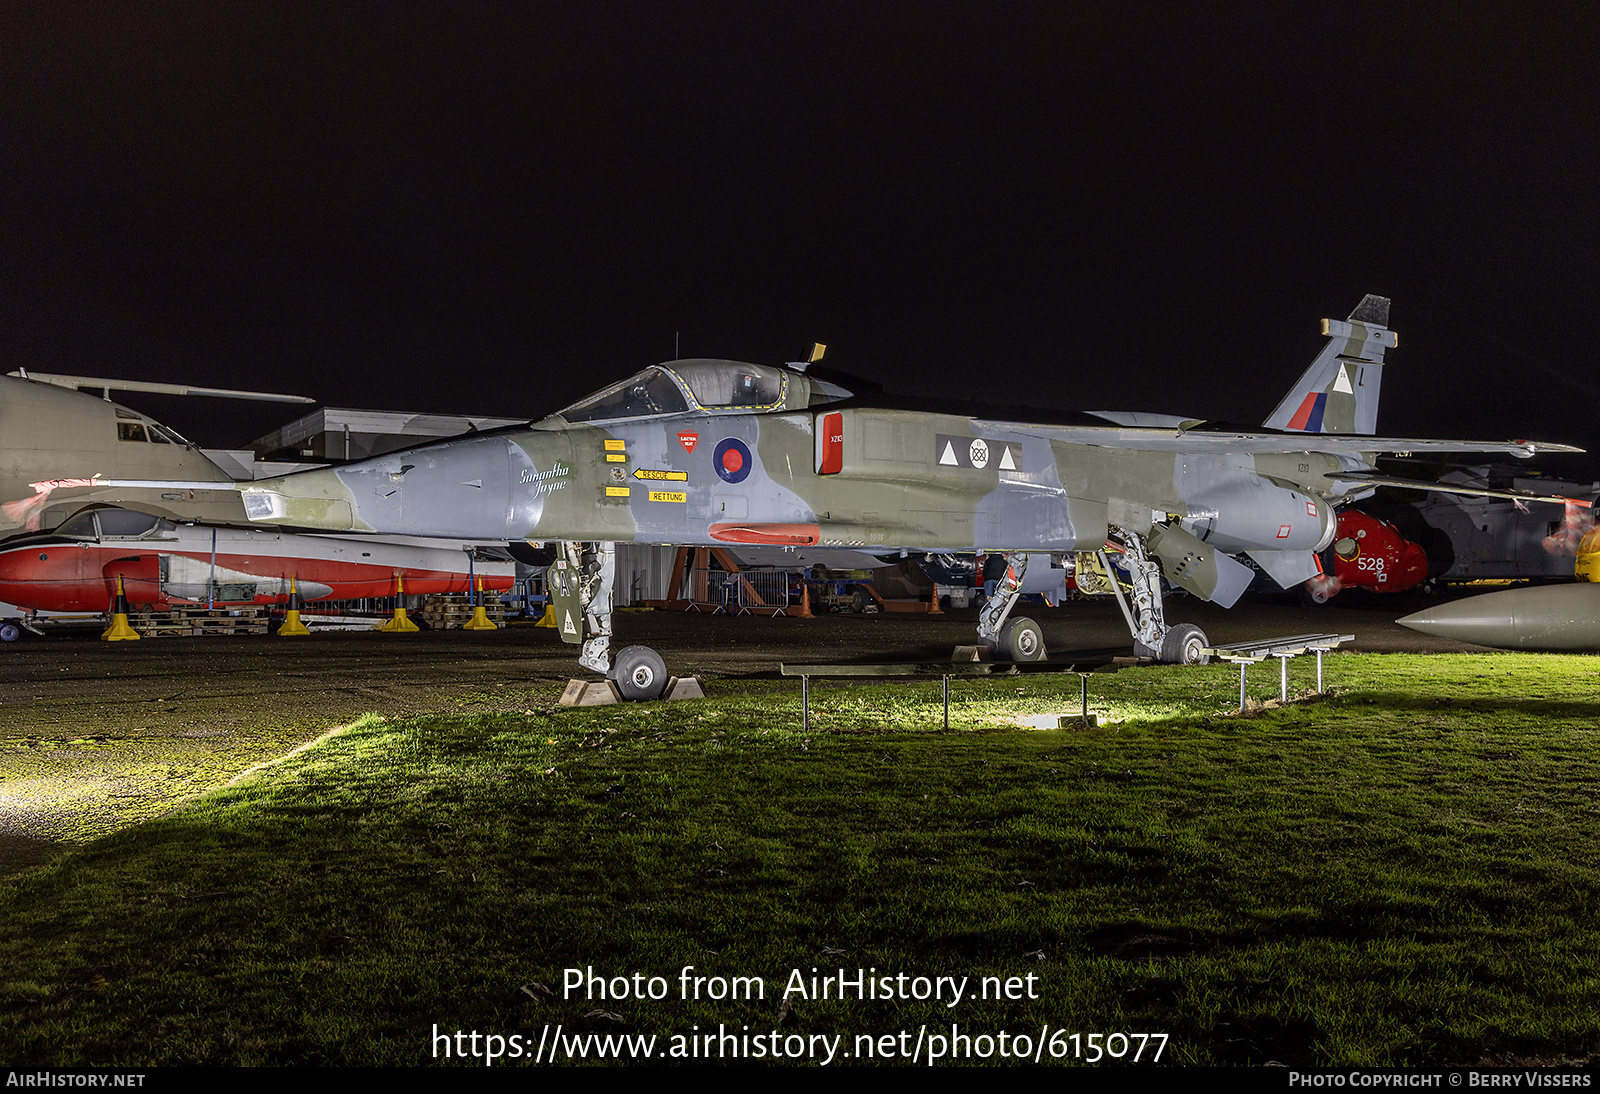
[1211,440]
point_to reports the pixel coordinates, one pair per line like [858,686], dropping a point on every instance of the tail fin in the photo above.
[1339,392]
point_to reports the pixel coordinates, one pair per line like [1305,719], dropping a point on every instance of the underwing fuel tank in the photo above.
[1545,617]
[1236,513]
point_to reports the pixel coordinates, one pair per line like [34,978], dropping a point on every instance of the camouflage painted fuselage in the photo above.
[707,452]
[810,472]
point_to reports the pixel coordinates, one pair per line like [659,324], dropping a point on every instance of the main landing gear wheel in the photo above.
[1022,640]
[10,632]
[1184,645]
[640,673]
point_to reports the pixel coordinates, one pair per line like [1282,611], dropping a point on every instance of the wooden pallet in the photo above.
[190,622]
[450,611]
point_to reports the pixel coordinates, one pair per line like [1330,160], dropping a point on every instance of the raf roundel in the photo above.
[731,459]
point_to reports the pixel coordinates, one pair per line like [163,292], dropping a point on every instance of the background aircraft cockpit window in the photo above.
[650,392]
[170,434]
[128,523]
[80,525]
[130,431]
[731,383]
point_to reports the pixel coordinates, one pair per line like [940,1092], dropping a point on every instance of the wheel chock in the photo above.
[589,693]
[684,687]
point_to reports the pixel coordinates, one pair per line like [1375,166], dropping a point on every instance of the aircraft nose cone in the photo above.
[1550,617]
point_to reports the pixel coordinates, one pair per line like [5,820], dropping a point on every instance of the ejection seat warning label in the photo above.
[625,1001]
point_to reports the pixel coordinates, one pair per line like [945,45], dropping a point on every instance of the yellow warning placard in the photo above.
[616,457]
[668,495]
[616,491]
[665,476]
[616,446]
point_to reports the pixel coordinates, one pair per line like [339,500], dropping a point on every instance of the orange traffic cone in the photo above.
[292,627]
[399,624]
[119,631]
[480,615]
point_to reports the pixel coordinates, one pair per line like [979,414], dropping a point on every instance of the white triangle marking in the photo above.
[1341,382]
[1006,462]
[948,457]
[568,628]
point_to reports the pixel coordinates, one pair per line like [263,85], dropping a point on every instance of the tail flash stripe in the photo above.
[1309,416]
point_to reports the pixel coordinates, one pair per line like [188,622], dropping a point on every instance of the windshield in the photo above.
[650,392]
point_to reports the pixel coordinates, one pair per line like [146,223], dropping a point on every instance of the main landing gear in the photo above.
[1180,645]
[1020,639]
[580,585]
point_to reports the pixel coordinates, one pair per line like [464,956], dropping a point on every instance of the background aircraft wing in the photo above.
[1376,478]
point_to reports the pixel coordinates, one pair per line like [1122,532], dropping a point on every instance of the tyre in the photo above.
[1022,640]
[10,632]
[1184,645]
[639,673]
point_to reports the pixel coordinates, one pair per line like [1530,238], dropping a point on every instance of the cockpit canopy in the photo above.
[106,523]
[706,385]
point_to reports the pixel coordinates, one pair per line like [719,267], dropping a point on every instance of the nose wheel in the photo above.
[639,673]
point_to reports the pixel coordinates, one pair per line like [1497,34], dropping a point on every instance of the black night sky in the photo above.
[497,208]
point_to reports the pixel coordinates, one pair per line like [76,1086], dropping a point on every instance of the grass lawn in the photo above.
[1403,872]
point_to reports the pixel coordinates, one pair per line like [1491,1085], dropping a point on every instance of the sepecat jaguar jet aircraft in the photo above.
[710,452]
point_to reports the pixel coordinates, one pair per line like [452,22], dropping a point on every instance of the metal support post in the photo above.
[945,680]
[1242,664]
[1283,677]
[1319,672]
[805,704]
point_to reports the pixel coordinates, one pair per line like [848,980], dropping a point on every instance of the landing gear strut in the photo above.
[1180,645]
[581,590]
[1020,639]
